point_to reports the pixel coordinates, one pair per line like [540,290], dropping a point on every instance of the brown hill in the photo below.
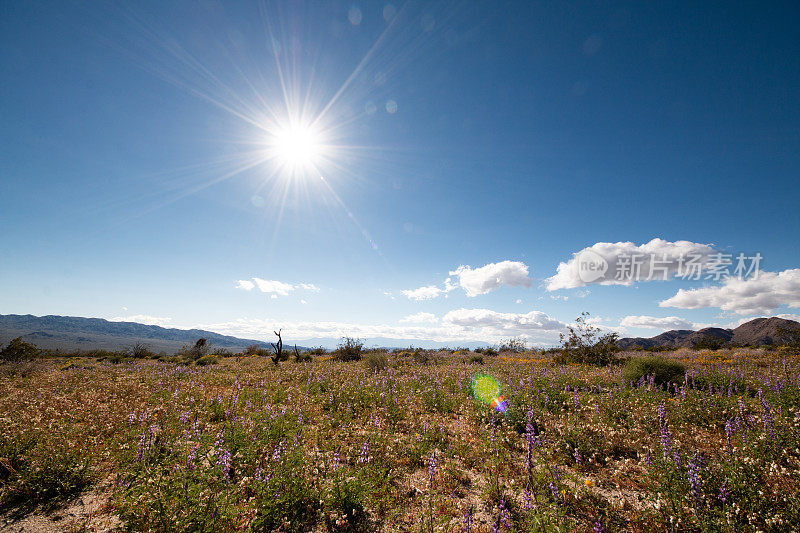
[766,331]
[757,332]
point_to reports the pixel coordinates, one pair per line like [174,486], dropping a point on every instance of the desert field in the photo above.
[403,442]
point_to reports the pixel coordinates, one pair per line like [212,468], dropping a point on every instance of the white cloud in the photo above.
[273,287]
[419,318]
[144,319]
[654,322]
[492,276]
[666,254]
[502,322]
[762,294]
[459,325]
[245,285]
[423,293]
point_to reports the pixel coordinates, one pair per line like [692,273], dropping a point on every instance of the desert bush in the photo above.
[422,357]
[376,360]
[583,343]
[301,357]
[223,352]
[476,359]
[140,350]
[18,350]
[345,499]
[195,351]
[662,369]
[515,345]
[318,350]
[709,343]
[207,360]
[348,350]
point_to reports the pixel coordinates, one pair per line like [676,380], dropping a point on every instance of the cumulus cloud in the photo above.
[502,322]
[144,319]
[762,294]
[419,318]
[623,263]
[245,285]
[492,276]
[273,287]
[424,293]
[482,325]
[654,322]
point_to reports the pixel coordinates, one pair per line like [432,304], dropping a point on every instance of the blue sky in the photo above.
[145,175]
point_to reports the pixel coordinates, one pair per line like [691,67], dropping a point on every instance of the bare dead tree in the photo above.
[278,349]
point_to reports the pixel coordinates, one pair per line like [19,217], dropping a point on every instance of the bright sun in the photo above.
[297,147]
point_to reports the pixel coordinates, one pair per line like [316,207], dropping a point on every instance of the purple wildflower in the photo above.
[432,463]
[769,422]
[467,527]
[728,433]
[696,464]
[224,460]
[666,436]
[363,457]
[190,459]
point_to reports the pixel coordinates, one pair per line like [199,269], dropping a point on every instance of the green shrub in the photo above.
[346,501]
[476,359]
[583,343]
[207,360]
[30,476]
[422,357]
[376,360]
[302,357]
[318,350]
[515,345]
[709,343]
[18,350]
[664,370]
[349,350]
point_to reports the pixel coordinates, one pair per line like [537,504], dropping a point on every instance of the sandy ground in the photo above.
[85,513]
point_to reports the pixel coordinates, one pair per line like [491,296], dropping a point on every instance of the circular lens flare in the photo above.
[486,390]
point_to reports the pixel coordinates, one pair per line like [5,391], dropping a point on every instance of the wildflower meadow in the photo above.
[407,444]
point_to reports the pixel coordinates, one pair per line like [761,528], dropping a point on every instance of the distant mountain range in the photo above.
[67,333]
[757,332]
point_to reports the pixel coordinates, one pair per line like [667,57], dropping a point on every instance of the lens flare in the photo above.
[486,390]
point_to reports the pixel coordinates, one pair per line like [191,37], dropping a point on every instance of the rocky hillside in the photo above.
[757,332]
